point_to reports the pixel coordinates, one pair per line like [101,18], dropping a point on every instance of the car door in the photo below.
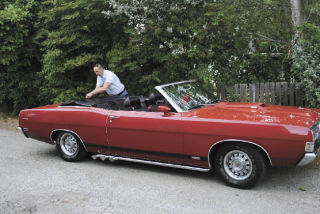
[146,135]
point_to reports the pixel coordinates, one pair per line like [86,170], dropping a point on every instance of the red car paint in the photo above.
[182,138]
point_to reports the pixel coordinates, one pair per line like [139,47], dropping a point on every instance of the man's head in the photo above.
[98,69]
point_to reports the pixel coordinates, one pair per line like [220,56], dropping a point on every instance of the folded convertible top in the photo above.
[92,102]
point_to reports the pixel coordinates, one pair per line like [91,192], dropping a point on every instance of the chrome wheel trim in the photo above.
[69,144]
[237,164]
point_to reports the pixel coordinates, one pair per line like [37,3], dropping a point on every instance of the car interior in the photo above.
[128,103]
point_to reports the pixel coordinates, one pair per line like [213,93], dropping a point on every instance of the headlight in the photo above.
[309,147]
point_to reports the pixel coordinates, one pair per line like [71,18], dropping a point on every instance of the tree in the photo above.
[19,55]
[171,40]
[306,54]
[76,35]
[297,14]
[47,48]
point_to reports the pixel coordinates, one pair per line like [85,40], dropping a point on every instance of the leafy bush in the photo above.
[306,63]
[48,48]
[19,55]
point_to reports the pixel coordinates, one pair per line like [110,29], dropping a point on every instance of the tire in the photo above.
[70,147]
[240,165]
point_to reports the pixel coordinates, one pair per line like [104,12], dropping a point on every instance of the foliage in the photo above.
[76,36]
[306,63]
[200,39]
[19,56]
[47,48]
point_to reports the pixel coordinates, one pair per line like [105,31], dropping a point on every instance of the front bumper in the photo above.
[307,158]
[22,131]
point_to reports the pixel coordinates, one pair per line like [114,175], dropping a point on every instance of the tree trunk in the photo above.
[297,14]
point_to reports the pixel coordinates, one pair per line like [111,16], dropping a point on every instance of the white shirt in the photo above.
[116,86]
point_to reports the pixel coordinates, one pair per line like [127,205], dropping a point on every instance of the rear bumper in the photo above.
[22,131]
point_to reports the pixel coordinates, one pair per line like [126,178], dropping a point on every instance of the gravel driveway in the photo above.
[34,179]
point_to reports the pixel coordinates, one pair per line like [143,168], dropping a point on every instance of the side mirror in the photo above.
[164,109]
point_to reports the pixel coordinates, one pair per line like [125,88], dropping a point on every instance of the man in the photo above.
[108,82]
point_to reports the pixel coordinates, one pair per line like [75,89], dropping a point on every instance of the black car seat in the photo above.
[132,102]
[155,100]
[113,105]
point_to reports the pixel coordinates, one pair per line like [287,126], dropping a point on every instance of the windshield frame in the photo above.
[161,90]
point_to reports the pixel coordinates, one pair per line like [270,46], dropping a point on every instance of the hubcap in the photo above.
[68,144]
[237,164]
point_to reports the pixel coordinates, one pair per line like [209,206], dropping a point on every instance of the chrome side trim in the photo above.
[66,130]
[168,98]
[114,158]
[243,141]
[307,158]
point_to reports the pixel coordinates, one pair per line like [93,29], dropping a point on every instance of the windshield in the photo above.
[189,95]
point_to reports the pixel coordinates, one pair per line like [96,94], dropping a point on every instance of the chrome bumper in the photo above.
[21,130]
[307,158]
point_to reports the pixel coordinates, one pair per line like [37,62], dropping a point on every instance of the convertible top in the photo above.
[93,102]
[129,103]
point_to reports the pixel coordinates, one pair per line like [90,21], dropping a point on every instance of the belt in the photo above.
[121,92]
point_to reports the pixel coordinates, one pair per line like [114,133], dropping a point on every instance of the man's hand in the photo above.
[89,95]
[98,90]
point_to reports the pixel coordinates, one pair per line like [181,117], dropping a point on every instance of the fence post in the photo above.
[243,92]
[285,93]
[298,96]
[257,85]
[272,93]
[253,92]
[267,84]
[291,94]
[223,92]
[278,93]
[261,92]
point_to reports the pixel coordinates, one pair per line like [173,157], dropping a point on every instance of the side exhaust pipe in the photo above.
[114,158]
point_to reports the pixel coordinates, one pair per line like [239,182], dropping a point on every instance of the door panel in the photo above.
[146,135]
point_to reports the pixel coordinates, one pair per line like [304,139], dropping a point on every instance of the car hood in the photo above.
[259,112]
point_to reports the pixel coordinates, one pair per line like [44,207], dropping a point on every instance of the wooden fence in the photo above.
[278,93]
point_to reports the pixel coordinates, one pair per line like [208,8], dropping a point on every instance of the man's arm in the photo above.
[98,90]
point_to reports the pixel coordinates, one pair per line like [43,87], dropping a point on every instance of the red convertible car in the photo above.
[182,126]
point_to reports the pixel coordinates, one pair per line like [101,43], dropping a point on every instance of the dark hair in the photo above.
[98,66]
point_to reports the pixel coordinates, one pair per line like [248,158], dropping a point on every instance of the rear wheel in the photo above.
[240,165]
[70,147]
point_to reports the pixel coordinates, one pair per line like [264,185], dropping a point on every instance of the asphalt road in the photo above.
[34,179]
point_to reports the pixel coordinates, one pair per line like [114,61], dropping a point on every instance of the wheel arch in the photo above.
[55,132]
[215,147]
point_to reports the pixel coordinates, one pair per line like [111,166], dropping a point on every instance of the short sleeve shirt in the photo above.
[116,86]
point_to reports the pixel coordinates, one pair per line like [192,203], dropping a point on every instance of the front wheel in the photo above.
[239,165]
[70,147]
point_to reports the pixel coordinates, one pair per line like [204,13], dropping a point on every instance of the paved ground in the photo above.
[33,179]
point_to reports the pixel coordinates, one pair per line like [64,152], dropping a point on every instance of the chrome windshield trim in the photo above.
[75,106]
[168,98]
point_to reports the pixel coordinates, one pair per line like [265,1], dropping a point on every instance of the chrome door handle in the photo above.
[111,117]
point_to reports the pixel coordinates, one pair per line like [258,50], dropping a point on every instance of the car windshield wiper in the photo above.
[201,104]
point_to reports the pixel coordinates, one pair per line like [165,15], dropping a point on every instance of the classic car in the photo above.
[182,126]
